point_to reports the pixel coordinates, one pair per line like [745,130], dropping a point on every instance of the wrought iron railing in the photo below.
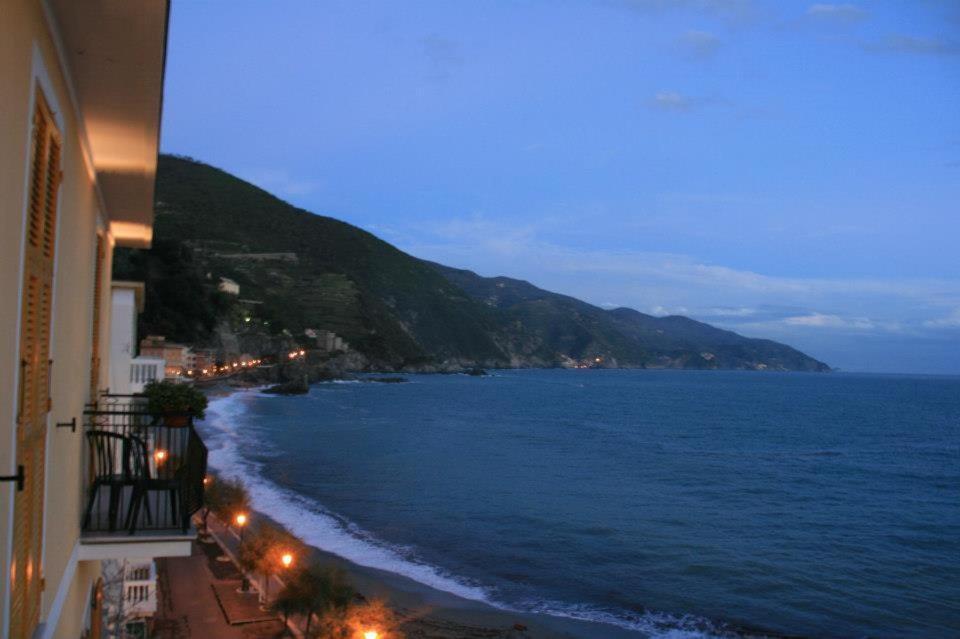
[144,470]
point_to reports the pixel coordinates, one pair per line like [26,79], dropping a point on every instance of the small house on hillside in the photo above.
[228,286]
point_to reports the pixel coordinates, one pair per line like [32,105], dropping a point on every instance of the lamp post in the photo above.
[286,560]
[241,521]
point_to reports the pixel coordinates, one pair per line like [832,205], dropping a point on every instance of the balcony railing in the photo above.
[144,470]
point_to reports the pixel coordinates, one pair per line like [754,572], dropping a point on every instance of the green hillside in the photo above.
[297,271]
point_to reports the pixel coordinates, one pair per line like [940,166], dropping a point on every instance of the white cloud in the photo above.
[663,311]
[732,312]
[914,45]
[950,321]
[672,101]
[820,320]
[698,45]
[737,10]
[280,182]
[443,55]
[845,13]
[666,283]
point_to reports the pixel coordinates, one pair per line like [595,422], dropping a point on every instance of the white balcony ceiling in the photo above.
[115,51]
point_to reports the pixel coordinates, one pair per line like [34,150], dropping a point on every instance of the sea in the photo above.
[670,503]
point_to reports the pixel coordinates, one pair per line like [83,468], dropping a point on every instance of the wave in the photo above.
[332,533]
[308,519]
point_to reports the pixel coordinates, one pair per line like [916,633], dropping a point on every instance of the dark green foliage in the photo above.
[265,544]
[397,310]
[181,303]
[169,397]
[321,590]
[226,498]
[291,600]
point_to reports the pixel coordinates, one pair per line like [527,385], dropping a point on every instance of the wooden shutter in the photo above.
[97,294]
[26,574]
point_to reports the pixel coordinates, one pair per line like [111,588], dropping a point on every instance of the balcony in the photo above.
[143,479]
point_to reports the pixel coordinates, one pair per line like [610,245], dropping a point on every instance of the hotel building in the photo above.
[81,86]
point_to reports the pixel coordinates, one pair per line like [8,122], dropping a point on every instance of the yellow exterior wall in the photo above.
[23,34]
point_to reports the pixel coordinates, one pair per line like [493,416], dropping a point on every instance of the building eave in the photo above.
[114,52]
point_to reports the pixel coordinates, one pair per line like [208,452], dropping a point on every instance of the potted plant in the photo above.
[176,402]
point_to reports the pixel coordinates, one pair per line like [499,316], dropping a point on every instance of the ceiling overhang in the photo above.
[115,52]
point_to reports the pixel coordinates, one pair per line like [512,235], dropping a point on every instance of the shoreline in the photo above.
[430,611]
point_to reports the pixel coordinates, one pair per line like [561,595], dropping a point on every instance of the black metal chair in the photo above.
[110,454]
[146,482]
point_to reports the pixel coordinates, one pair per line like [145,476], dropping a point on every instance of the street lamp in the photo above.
[286,560]
[371,634]
[241,521]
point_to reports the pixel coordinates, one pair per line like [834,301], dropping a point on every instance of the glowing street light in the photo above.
[160,456]
[286,560]
[371,634]
[241,520]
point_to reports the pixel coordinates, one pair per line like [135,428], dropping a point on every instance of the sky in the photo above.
[787,170]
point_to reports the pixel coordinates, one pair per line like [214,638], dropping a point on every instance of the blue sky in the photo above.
[788,170]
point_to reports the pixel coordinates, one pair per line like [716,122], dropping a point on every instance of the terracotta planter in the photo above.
[176,421]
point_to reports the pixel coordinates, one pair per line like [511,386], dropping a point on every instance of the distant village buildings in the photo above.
[228,286]
[200,359]
[260,257]
[176,357]
[327,340]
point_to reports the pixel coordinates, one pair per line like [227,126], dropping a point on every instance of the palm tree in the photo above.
[291,600]
[324,589]
[263,549]
[225,498]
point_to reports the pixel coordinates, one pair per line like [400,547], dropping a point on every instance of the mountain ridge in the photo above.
[298,270]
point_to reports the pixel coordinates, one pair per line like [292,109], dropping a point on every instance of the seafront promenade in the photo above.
[199,595]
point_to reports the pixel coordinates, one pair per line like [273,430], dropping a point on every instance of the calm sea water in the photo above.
[667,502]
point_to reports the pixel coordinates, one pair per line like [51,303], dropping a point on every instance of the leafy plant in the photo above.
[225,498]
[168,397]
[323,590]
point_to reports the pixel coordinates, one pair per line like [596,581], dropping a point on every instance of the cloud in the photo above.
[280,182]
[660,283]
[723,311]
[737,9]
[913,45]
[443,55]
[673,102]
[664,311]
[821,320]
[951,321]
[698,45]
[836,13]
